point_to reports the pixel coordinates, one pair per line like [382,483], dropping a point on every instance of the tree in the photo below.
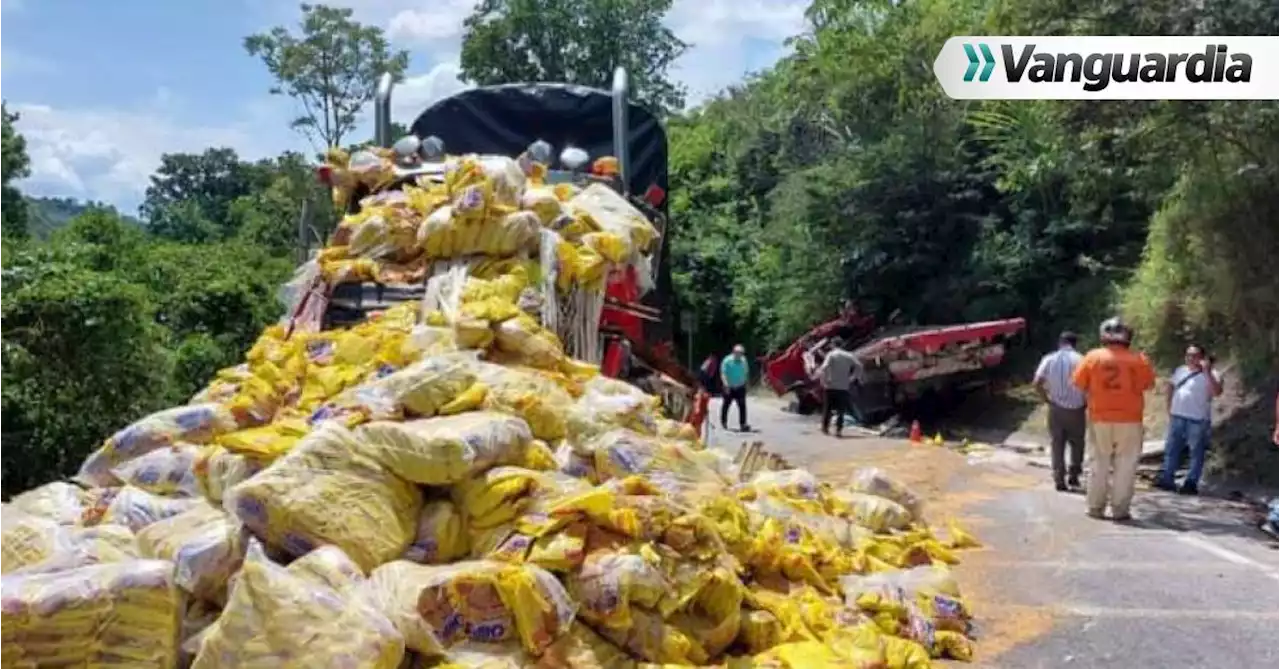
[575,41]
[190,195]
[15,165]
[331,68]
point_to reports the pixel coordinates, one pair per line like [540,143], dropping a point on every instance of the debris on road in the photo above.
[444,484]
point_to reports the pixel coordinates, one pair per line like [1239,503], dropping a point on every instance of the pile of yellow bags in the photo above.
[446,487]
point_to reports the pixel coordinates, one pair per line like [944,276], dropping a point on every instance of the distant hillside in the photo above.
[46,214]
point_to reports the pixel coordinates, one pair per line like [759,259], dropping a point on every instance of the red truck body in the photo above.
[894,364]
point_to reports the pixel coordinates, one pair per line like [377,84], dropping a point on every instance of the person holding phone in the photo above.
[1114,378]
[1189,401]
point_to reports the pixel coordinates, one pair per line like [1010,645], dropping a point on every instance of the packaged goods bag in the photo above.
[164,471]
[873,512]
[275,617]
[535,397]
[448,449]
[614,214]
[205,544]
[124,614]
[325,491]
[217,470]
[671,466]
[607,404]
[480,601]
[611,583]
[420,390]
[441,535]
[792,483]
[530,343]
[874,481]
[135,508]
[332,568]
[63,503]
[33,544]
[193,423]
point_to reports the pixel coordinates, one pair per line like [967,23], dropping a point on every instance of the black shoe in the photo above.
[1167,487]
[839,434]
[1189,489]
[745,428]
[826,431]
[724,426]
[1060,486]
[1073,481]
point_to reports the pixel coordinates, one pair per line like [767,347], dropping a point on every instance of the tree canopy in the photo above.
[331,68]
[577,42]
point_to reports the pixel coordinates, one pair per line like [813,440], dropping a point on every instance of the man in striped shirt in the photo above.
[1066,410]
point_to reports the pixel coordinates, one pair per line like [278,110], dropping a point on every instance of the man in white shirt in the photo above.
[1066,410]
[1190,392]
[835,374]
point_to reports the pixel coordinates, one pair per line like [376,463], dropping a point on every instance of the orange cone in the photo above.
[915,436]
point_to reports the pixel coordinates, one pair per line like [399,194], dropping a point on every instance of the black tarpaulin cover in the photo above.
[506,119]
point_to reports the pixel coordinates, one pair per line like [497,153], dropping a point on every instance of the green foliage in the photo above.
[81,356]
[104,323]
[575,41]
[331,68]
[14,164]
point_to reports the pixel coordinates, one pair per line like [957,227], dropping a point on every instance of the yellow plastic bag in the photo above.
[537,399]
[611,582]
[670,466]
[266,442]
[194,423]
[205,545]
[535,346]
[330,567]
[32,544]
[60,502]
[871,511]
[582,648]
[124,614]
[164,471]
[136,508]
[418,390]
[441,536]
[445,450]
[217,470]
[481,601]
[874,481]
[325,492]
[275,617]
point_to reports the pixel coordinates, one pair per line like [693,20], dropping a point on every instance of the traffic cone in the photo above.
[937,439]
[915,435]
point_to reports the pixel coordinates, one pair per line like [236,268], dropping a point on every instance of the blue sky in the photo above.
[105,88]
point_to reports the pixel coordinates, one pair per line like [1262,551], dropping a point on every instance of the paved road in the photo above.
[1189,584]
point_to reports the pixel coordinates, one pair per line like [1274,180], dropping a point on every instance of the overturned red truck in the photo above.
[896,364]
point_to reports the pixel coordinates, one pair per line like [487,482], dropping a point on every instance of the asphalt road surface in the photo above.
[1189,583]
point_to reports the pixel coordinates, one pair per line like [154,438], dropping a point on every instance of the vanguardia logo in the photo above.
[1098,70]
[1096,67]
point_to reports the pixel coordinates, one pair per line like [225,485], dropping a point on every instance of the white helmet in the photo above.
[1114,331]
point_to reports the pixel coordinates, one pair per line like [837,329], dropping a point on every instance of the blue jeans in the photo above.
[1184,432]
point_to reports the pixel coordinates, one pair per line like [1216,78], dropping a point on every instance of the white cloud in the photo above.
[109,154]
[416,93]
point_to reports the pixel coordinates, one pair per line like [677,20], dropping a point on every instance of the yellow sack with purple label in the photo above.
[326,491]
[276,617]
[441,536]
[205,544]
[194,424]
[122,614]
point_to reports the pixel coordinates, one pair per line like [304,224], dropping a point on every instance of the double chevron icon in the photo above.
[988,62]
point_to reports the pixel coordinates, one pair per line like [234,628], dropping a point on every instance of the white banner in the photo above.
[1110,68]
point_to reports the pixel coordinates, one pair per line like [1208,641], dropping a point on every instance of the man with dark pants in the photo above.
[734,374]
[1066,410]
[834,374]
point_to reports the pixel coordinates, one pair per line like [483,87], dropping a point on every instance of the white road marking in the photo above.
[1226,554]
[1147,614]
